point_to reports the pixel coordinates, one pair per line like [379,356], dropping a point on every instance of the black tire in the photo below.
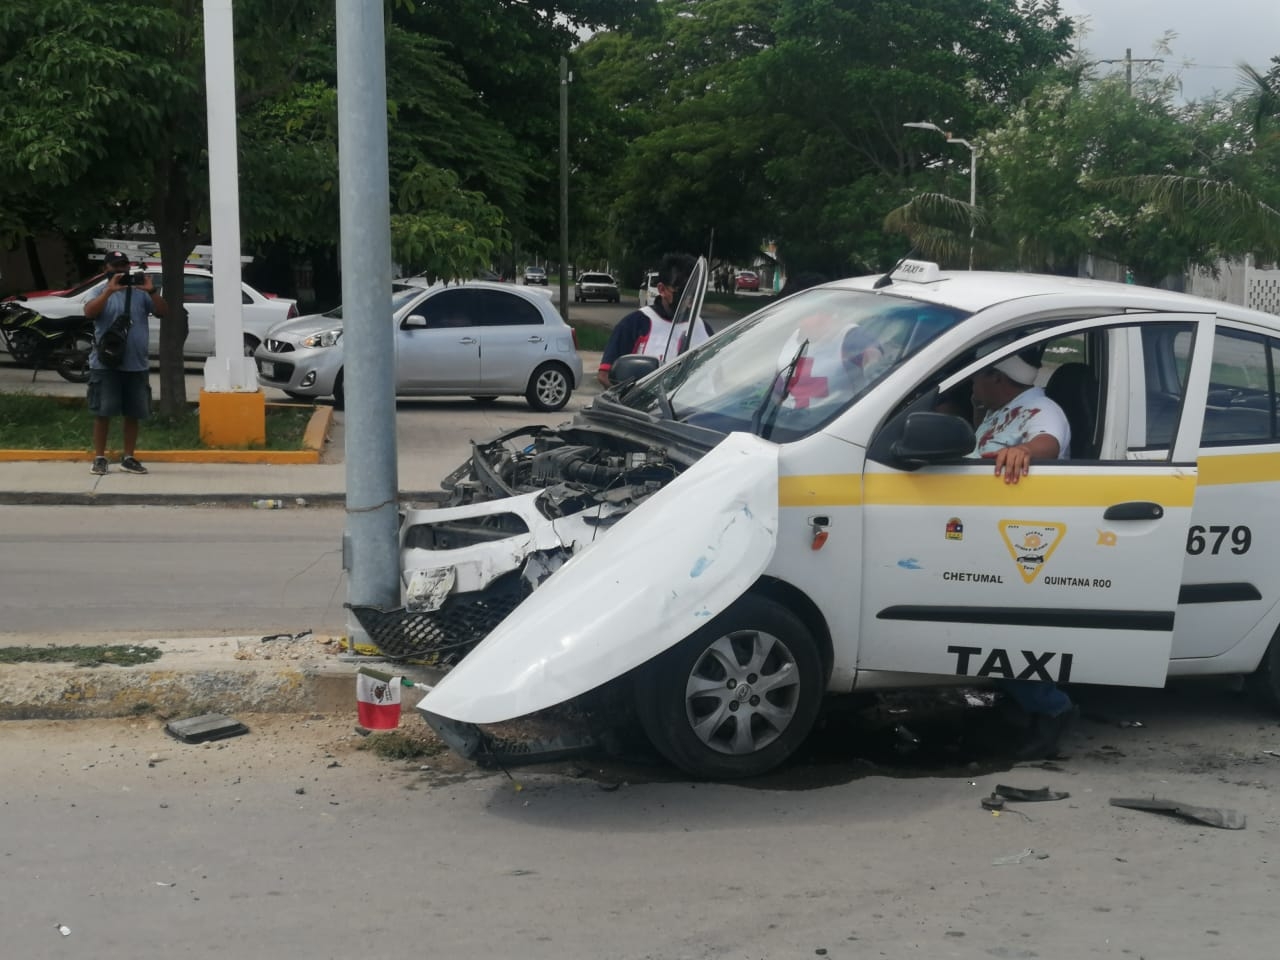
[24,347]
[1264,683]
[549,388]
[704,676]
[339,395]
[250,345]
[487,399]
[72,358]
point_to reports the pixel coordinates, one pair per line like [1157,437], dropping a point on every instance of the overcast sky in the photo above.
[1214,35]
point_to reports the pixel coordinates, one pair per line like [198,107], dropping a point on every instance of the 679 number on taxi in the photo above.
[1213,539]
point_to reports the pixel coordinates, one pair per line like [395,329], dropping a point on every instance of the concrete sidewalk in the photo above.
[198,675]
[420,469]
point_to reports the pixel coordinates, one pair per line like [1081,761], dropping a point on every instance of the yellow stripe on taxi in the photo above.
[984,489]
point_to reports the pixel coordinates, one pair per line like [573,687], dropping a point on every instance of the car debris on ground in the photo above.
[207,726]
[1221,817]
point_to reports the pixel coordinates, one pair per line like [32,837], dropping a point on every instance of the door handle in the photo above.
[1134,510]
[535,339]
[467,340]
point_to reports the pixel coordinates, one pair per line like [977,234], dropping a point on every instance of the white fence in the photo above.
[1238,282]
[1235,281]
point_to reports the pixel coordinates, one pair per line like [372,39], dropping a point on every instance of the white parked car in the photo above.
[477,339]
[596,286]
[750,527]
[259,311]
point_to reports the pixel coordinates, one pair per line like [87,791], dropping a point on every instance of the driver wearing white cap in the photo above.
[1021,423]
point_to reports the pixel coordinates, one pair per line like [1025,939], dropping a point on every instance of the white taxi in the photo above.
[761,523]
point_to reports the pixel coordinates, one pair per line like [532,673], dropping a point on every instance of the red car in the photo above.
[747,280]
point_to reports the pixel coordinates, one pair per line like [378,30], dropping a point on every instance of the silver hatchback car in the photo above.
[475,339]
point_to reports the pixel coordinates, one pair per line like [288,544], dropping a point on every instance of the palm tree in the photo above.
[937,226]
[1238,209]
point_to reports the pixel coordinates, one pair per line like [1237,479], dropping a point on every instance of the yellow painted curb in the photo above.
[313,438]
[317,432]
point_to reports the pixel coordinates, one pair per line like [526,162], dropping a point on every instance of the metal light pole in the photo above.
[371,542]
[973,174]
[565,78]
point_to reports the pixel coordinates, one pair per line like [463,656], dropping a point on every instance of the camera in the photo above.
[132,279]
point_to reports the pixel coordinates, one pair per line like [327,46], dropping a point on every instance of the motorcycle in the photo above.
[63,344]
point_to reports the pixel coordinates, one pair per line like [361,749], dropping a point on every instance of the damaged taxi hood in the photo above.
[662,572]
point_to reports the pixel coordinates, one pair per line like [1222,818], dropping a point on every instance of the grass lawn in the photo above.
[591,337]
[84,656]
[31,422]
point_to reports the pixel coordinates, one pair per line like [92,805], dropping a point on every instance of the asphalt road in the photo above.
[122,844]
[169,571]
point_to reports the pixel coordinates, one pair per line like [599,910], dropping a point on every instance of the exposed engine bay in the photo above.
[518,509]
[577,468]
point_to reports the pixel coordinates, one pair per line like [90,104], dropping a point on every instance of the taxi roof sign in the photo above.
[917,271]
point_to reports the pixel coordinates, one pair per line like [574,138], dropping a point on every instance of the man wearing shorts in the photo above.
[123,391]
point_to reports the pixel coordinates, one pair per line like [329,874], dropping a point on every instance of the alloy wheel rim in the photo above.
[551,387]
[743,692]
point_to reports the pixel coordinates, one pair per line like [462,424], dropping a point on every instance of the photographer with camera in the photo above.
[119,372]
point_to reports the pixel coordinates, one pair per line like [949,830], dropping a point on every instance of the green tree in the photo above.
[1060,142]
[102,110]
[1232,201]
[490,111]
[958,63]
[442,230]
[783,120]
[102,120]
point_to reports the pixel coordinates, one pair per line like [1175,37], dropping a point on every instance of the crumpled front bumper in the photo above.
[472,743]
[442,637]
[457,585]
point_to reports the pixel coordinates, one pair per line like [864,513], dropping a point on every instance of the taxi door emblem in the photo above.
[955,529]
[1031,544]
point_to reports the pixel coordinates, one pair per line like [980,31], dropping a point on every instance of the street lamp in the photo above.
[973,173]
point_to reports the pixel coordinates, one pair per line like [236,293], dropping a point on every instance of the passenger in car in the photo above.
[1020,423]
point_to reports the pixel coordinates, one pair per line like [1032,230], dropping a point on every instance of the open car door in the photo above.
[688,329]
[1072,574]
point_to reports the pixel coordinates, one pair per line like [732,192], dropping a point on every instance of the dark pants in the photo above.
[1036,697]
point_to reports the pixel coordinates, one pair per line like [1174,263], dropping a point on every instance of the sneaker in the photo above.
[131,465]
[99,466]
[1045,733]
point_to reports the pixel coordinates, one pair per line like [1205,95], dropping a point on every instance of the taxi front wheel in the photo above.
[736,698]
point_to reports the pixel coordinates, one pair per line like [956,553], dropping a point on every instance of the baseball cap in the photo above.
[1021,367]
[115,258]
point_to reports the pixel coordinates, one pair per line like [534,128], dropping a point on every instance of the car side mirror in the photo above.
[632,367]
[414,321]
[930,437]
